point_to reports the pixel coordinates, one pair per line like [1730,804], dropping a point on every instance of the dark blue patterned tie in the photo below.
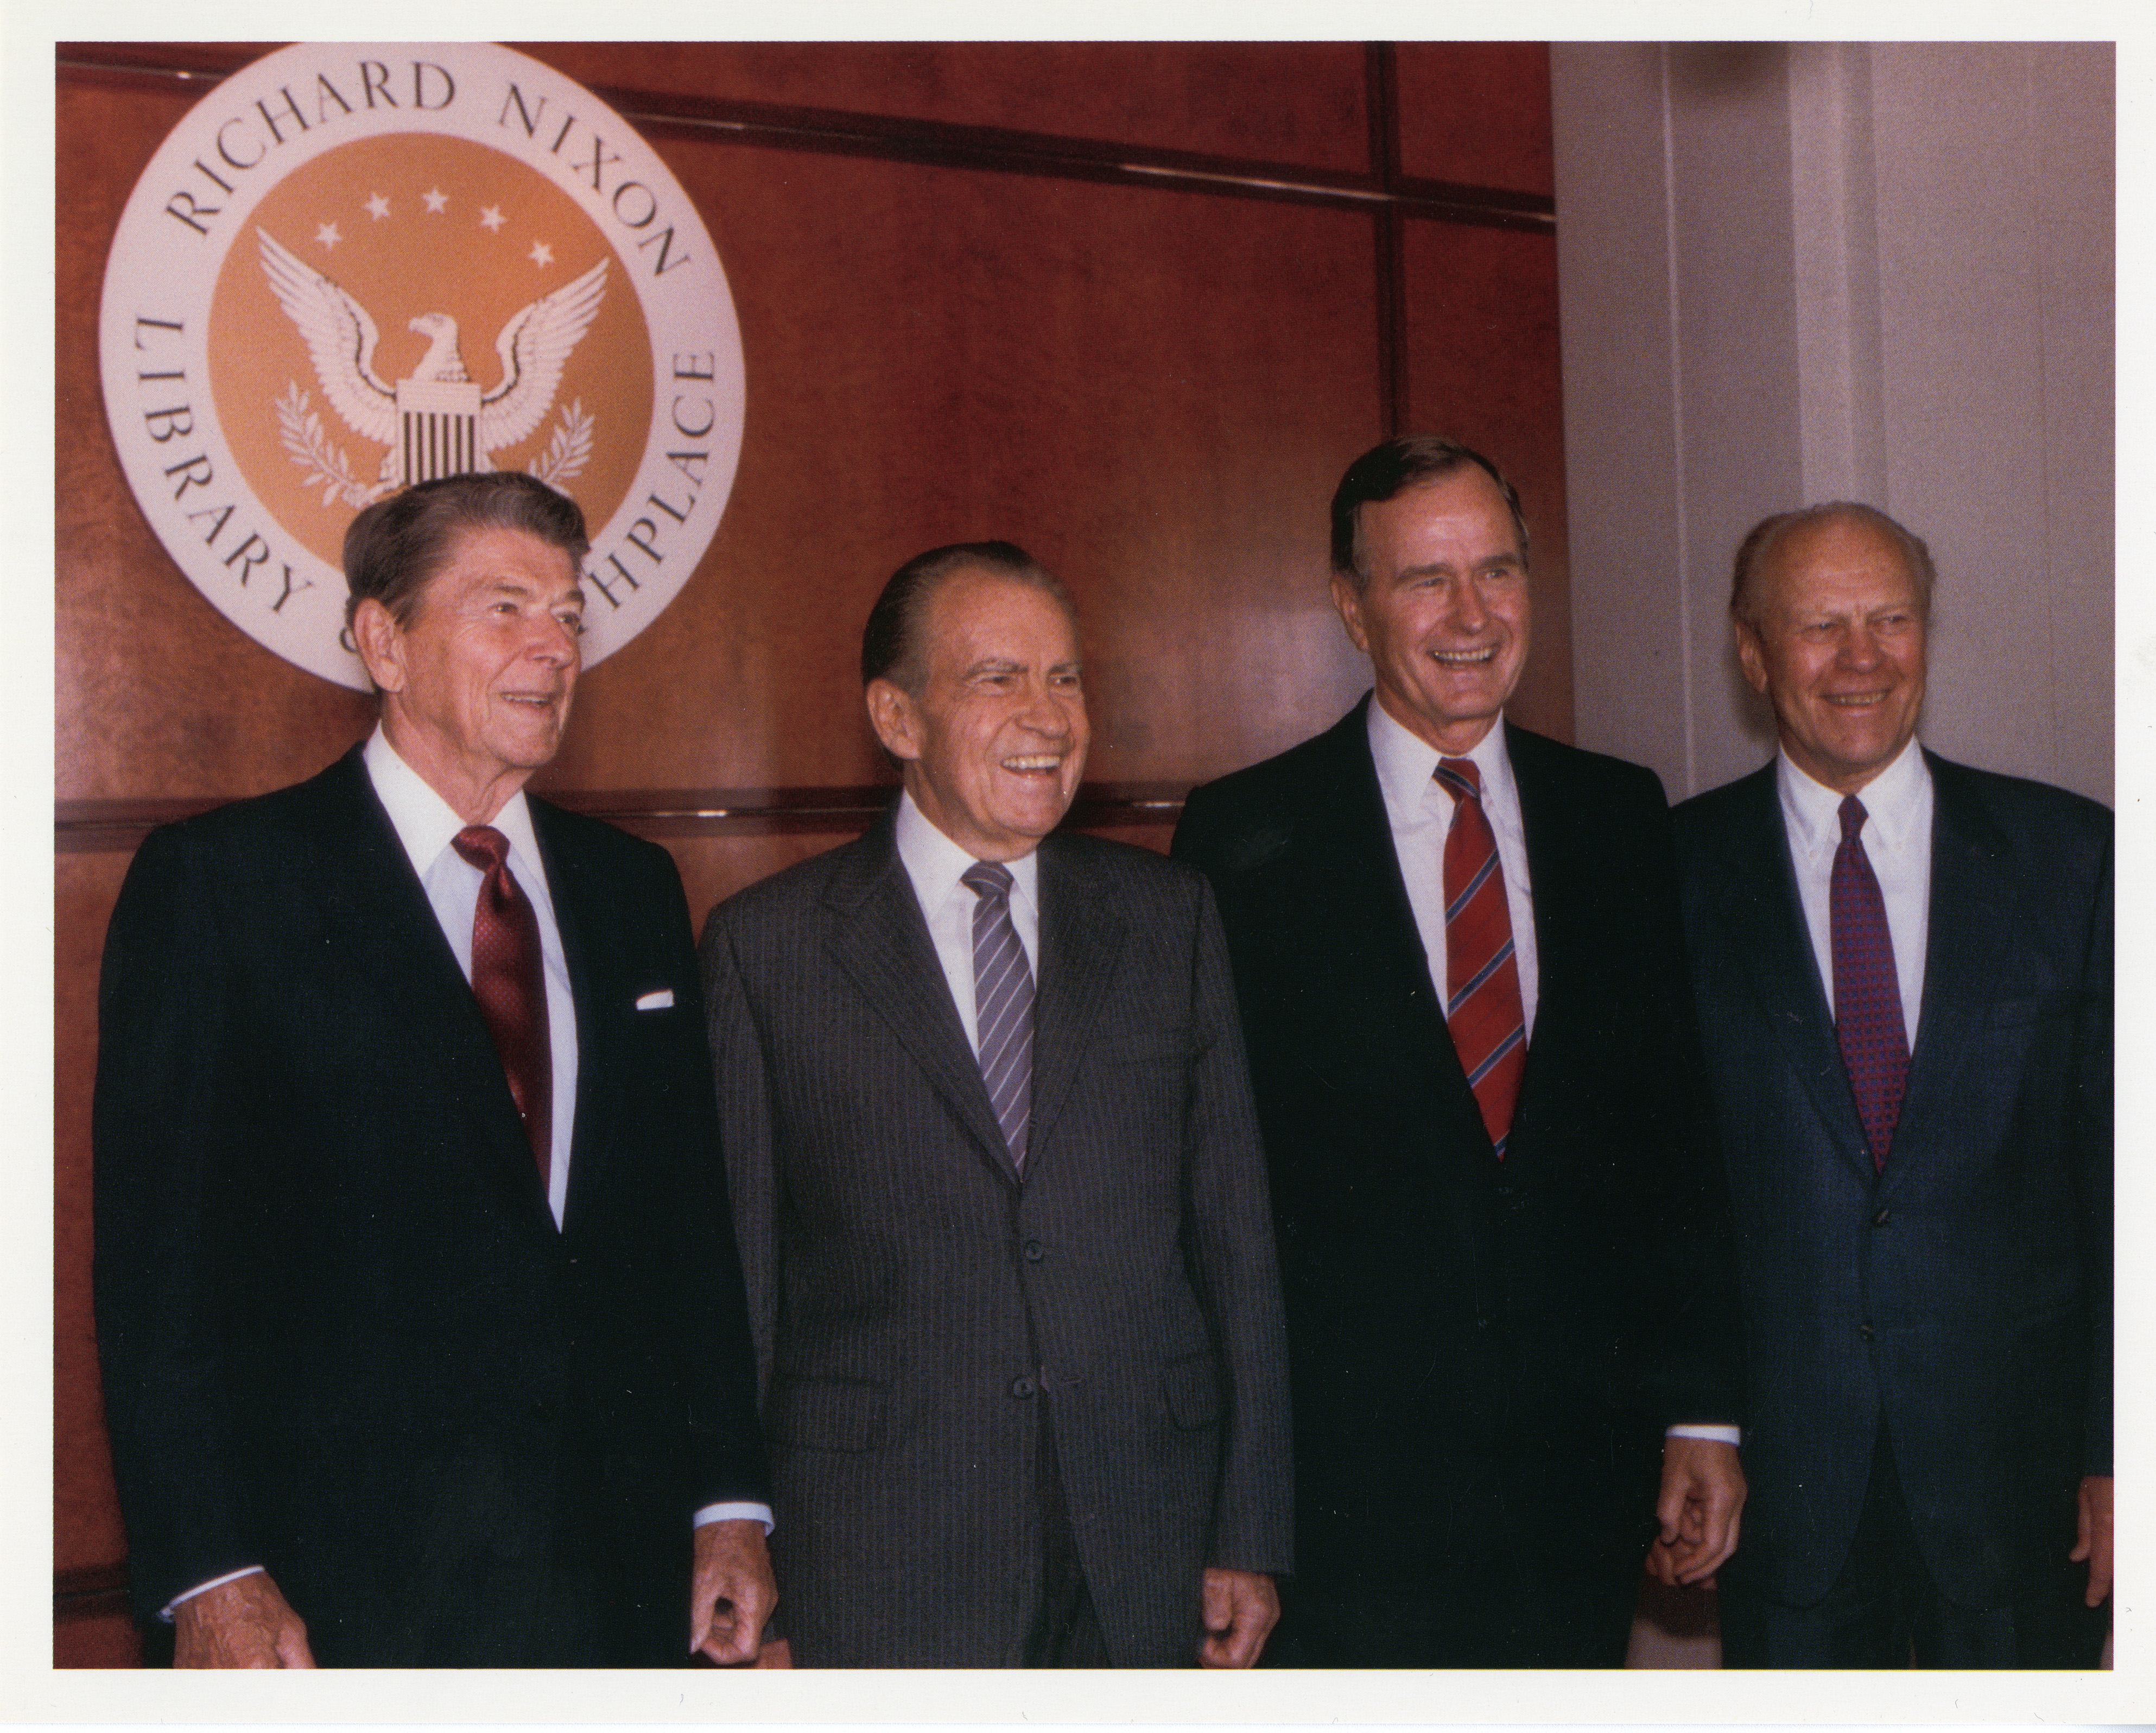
[1003,1003]
[1867,997]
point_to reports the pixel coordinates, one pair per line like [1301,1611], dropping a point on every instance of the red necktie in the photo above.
[1482,980]
[1867,994]
[508,979]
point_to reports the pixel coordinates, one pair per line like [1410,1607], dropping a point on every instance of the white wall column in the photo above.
[1876,271]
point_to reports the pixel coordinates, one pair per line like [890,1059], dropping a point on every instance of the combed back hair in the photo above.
[892,646]
[397,545]
[1757,547]
[1385,471]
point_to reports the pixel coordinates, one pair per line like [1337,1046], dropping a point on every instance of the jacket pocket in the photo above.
[848,1414]
[1192,1386]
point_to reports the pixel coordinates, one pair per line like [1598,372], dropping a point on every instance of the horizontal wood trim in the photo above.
[937,144]
[118,826]
[90,1591]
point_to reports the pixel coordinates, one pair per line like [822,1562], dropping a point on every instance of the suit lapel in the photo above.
[1970,907]
[1350,850]
[594,980]
[1378,950]
[1547,832]
[1756,900]
[370,882]
[880,939]
[1082,937]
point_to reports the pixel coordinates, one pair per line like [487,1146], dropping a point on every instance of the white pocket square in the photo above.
[656,1001]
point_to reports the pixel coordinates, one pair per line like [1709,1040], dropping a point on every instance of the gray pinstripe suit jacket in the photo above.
[914,1299]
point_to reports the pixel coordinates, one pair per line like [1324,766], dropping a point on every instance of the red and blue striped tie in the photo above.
[1481,980]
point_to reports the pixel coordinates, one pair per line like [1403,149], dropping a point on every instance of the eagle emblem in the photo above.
[436,421]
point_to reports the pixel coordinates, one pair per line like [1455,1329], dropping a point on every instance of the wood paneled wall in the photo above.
[1132,306]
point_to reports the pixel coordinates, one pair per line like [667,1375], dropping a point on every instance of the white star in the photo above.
[491,219]
[377,207]
[542,254]
[327,234]
[438,201]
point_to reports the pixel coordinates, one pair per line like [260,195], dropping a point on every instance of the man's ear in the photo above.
[381,642]
[1349,600]
[895,718]
[1752,657]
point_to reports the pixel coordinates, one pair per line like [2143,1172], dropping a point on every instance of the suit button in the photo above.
[1864,1329]
[1021,1387]
[1880,1220]
[1034,1253]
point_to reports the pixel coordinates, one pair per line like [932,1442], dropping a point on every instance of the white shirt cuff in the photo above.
[203,1588]
[737,1512]
[1715,1434]
[710,1512]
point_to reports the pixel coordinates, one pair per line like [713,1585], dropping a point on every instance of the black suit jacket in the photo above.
[915,1300]
[1474,1344]
[342,1336]
[1962,1298]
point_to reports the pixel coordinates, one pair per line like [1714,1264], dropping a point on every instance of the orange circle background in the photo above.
[398,267]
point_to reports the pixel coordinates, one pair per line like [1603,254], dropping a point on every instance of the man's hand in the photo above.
[1702,1492]
[731,1593]
[245,1622]
[2093,1536]
[1241,1608]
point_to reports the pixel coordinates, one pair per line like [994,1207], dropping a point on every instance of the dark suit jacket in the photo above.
[1474,1344]
[915,1301]
[1963,1296]
[342,1336]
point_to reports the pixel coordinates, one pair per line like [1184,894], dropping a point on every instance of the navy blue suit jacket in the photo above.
[342,1336]
[1483,1353]
[1962,1299]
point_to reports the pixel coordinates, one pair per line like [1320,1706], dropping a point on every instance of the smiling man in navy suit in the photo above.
[420,1321]
[1510,1312]
[1903,970]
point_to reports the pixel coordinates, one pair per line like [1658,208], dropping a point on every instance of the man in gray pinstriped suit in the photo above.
[1001,1203]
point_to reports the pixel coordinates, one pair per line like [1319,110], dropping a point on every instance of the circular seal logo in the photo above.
[353,268]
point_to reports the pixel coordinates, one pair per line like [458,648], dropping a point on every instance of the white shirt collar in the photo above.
[426,823]
[1407,764]
[1893,803]
[935,863]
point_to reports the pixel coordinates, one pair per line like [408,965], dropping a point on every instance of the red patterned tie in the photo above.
[1482,980]
[1867,995]
[508,978]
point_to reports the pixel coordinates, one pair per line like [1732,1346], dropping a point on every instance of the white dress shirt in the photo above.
[427,825]
[1420,811]
[933,863]
[1897,840]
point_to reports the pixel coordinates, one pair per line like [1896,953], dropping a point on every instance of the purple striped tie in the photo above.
[1482,977]
[1867,998]
[1003,1003]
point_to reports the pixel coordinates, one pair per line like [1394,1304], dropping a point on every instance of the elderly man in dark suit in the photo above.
[1502,1236]
[1001,1205]
[422,1328]
[1903,968]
